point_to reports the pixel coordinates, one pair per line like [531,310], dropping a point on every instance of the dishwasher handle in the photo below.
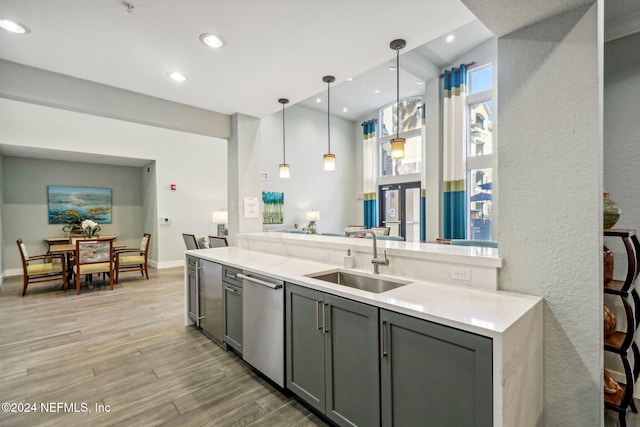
[260,282]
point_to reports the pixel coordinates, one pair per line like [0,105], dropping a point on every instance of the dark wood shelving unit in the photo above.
[623,343]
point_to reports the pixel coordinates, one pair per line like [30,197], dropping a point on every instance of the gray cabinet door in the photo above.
[192,284]
[211,314]
[305,345]
[233,316]
[434,375]
[351,362]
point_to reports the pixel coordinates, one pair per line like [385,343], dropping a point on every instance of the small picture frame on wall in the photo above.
[67,204]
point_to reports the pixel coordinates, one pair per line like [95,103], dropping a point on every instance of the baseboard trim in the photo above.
[13,272]
[166,264]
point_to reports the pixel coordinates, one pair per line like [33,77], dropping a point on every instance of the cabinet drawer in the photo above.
[192,262]
[230,275]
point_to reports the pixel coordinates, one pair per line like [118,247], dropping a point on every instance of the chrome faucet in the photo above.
[377,262]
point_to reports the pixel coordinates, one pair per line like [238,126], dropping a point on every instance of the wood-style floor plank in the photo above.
[128,349]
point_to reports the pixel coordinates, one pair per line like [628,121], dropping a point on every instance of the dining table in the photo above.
[68,248]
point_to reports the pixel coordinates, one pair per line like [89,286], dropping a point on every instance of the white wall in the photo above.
[310,187]
[550,157]
[195,163]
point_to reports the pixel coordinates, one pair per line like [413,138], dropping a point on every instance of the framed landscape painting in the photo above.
[69,204]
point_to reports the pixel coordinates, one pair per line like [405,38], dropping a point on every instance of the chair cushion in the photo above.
[46,268]
[24,250]
[101,267]
[131,260]
[143,243]
[203,243]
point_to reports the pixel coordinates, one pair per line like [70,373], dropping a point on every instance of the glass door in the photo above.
[400,210]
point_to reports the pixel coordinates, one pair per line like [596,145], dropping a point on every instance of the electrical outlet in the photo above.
[165,220]
[324,255]
[459,273]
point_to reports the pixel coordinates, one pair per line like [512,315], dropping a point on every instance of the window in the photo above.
[410,129]
[481,156]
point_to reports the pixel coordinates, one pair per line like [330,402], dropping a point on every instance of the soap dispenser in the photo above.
[348,259]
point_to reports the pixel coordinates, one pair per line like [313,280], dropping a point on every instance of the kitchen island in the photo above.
[510,323]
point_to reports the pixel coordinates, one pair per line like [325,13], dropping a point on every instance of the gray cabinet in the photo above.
[233,306]
[210,290]
[332,355]
[193,299]
[434,374]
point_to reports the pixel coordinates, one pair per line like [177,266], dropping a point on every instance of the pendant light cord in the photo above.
[284,159]
[329,115]
[398,92]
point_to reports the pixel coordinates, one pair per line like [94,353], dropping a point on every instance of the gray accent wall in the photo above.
[1,223]
[25,210]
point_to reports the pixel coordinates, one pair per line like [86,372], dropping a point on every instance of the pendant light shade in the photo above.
[284,167]
[397,143]
[329,159]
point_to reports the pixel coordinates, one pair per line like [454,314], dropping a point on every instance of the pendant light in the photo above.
[397,143]
[284,167]
[329,159]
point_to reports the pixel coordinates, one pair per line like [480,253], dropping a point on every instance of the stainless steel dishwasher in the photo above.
[263,325]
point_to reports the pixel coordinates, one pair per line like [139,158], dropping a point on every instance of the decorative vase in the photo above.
[611,212]
[611,386]
[609,322]
[607,264]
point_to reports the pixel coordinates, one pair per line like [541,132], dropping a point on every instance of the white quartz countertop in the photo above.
[484,312]
[471,255]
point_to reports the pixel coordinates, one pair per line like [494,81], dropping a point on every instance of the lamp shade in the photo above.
[397,148]
[220,217]
[329,162]
[313,216]
[284,170]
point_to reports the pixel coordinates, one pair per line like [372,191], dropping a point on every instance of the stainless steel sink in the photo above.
[359,281]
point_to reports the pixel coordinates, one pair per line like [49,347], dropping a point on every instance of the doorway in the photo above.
[400,209]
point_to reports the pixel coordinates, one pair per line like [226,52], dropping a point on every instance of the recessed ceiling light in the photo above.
[349,79]
[212,40]
[376,91]
[177,76]
[318,100]
[450,38]
[13,26]
[419,83]
[392,68]
[345,109]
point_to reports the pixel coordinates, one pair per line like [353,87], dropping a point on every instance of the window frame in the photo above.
[413,133]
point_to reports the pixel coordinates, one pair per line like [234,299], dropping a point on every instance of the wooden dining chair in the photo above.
[190,241]
[41,268]
[128,259]
[355,228]
[381,231]
[93,256]
[218,242]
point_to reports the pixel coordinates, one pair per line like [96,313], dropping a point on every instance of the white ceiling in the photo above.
[275,49]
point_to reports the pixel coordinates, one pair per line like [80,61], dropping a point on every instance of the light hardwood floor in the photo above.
[128,349]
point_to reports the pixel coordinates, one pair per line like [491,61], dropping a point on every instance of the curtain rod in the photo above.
[363,123]
[470,64]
